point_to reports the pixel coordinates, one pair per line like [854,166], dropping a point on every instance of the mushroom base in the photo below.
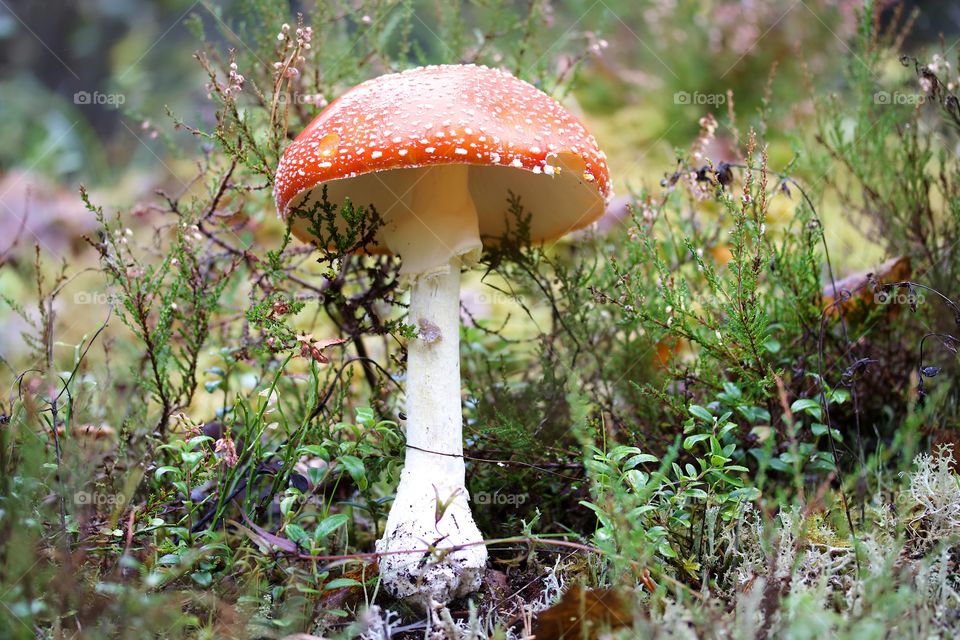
[441,575]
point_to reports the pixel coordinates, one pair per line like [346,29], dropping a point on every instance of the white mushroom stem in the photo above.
[431,509]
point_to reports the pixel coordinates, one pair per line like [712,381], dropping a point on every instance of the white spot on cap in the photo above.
[376,154]
[460,151]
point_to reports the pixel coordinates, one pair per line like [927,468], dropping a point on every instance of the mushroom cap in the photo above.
[513,136]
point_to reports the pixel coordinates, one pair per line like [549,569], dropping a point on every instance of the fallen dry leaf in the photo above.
[860,286]
[666,349]
[311,348]
[348,597]
[91,431]
[582,614]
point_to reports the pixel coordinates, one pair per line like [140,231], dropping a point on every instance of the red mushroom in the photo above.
[437,150]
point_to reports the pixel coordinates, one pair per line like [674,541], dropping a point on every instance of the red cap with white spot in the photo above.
[437,151]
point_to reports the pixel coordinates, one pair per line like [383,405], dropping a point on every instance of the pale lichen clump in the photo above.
[934,500]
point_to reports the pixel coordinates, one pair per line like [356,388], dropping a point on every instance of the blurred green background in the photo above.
[89,89]
[85,84]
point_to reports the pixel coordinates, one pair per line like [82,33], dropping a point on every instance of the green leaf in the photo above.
[726,477]
[715,447]
[806,405]
[635,479]
[315,475]
[354,467]
[639,511]
[779,465]
[330,524]
[202,578]
[689,441]
[701,413]
[287,503]
[622,451]
[162,471]
[195,440]
[820,429]
[732,390]
[191,457]
[839,396]
[640,458]
[746,493]
[316,450]
[656,533]
[296,533]
[601,514]
[340,583]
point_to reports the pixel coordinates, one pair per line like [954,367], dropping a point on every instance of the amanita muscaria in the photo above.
[437,151]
